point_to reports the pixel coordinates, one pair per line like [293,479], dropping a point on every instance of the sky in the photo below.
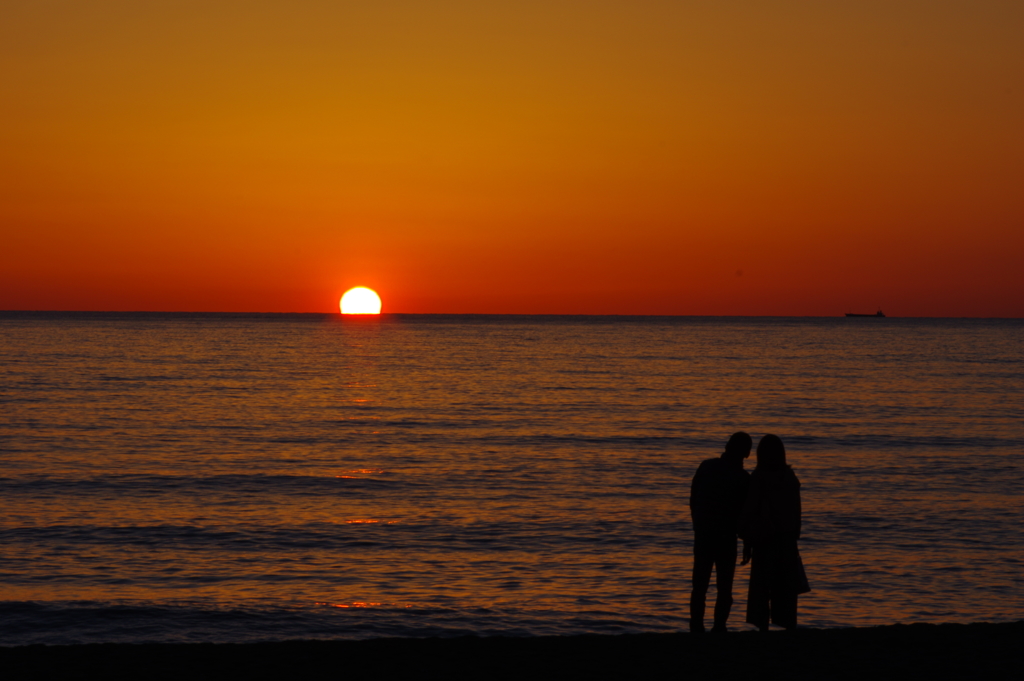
[729,157]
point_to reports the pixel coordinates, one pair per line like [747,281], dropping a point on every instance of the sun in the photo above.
[360,300]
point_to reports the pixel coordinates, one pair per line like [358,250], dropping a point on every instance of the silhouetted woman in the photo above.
[770,527]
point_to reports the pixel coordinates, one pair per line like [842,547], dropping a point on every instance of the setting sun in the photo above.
[360,300]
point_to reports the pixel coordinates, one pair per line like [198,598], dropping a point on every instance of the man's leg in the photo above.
[725,570]
[703,559]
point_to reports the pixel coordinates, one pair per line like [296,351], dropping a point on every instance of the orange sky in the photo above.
[654,157]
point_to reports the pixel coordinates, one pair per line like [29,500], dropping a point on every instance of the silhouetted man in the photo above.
[717,494]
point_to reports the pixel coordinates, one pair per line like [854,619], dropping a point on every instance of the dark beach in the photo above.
[926,651]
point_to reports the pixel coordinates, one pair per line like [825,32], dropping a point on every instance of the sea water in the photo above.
[202,477]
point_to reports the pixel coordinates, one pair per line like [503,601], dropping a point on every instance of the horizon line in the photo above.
[477,314]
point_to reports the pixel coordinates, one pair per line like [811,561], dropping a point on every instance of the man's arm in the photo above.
[697,502]
[694,489]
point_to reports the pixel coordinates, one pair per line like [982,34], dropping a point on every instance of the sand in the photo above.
[919,651]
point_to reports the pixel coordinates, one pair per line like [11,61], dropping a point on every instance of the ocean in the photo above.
[251,477]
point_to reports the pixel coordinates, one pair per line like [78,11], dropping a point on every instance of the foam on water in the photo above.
[252,477]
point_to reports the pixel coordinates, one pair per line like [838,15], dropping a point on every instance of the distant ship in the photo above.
[877,314]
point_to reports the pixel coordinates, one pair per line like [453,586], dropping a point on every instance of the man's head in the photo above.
[738,446]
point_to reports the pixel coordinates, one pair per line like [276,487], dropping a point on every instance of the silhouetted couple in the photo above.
[763,509]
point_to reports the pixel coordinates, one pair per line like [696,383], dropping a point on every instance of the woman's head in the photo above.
[771,454]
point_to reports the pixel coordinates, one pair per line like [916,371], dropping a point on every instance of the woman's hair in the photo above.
[771,454]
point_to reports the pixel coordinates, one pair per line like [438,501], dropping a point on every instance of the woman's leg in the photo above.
[759,593]
[783,607]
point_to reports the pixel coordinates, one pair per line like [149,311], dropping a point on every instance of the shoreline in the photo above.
[934,651]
